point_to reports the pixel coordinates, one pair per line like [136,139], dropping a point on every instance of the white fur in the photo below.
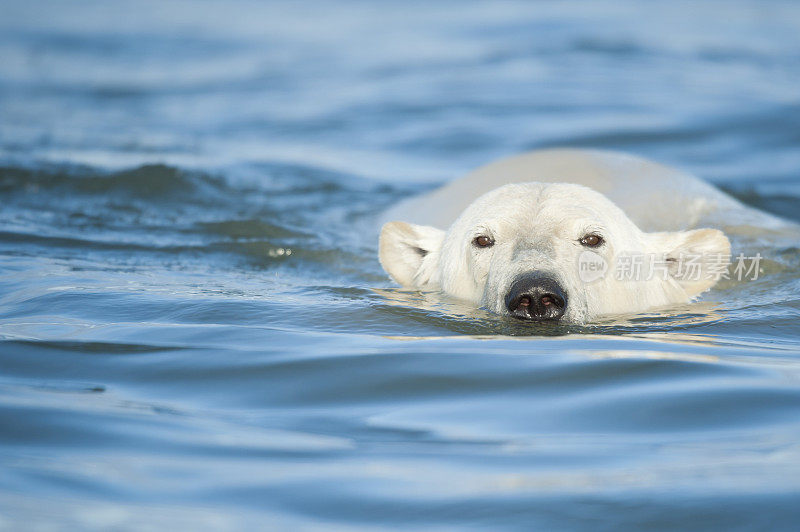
[537,226]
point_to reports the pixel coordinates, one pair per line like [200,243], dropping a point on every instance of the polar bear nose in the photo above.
[536,297]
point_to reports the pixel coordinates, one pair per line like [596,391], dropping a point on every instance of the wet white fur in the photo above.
[537,206]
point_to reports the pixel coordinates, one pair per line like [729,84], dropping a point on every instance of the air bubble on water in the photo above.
[279,252]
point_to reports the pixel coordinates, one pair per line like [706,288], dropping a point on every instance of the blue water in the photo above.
[195,332]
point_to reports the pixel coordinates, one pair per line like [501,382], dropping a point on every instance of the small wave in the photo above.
[782,204]
[150,181]
[98,348]
[251,228]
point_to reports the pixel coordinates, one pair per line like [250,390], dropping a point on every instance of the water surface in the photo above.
[195,332]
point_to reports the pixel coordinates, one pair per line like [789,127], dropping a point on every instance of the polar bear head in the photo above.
[553,252]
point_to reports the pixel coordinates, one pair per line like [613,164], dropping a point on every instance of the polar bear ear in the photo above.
[410,253]
[695,259]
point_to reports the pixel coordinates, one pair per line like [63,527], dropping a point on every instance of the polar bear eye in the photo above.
[483,241]
[591,240]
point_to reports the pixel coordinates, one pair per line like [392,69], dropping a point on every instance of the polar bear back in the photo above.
[654,196]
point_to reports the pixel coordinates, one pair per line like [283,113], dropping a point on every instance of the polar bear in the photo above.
[537,236]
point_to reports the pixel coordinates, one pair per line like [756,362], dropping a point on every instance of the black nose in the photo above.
[536,297]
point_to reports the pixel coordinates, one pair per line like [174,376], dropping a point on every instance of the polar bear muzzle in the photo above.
[535,296]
